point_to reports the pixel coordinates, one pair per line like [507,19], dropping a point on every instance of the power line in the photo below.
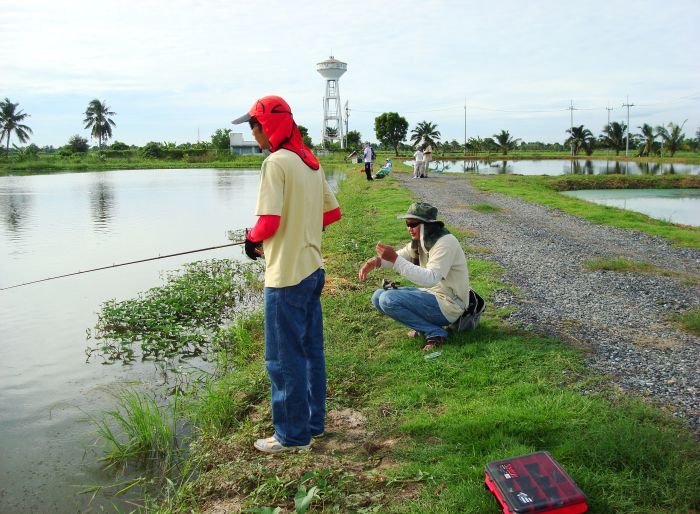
[534,111]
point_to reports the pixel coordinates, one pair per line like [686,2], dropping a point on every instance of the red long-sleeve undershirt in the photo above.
[268,224]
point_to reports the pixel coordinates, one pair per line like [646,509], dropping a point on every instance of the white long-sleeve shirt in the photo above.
[443,272]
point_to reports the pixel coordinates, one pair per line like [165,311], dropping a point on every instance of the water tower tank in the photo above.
[332,128]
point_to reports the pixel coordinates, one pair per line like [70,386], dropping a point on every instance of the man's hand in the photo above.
[368,266]
[386,252]
[252,250]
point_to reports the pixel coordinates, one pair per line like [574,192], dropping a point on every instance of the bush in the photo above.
[153,150]
[77,144]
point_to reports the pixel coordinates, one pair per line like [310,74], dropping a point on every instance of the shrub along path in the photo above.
[624,318]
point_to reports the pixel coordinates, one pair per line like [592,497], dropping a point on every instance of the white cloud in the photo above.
[169,67]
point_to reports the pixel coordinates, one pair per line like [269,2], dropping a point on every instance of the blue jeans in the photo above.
[414,308]
[294,359]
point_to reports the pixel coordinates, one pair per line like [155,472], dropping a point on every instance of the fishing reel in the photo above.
[390,284]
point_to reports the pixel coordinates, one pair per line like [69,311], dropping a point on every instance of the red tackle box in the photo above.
[534,483]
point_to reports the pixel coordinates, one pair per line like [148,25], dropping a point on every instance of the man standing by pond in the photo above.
[368,156]
[294,204]
[433,259]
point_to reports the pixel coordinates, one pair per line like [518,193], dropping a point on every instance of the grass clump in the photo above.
[137,428]
[619,264]
[689,320]
[486,208]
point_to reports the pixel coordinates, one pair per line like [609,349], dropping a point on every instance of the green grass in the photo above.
[137,428]
[485,208]
[545,190]
[619,264]
[432,425]
[690,320]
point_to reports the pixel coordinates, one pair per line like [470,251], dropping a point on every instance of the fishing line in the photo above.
[122,264]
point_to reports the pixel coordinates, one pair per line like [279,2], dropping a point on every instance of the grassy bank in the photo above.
[679,158]
[94,162]
[545,190]
[406,434]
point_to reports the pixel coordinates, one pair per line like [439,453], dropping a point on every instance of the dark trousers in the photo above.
[368,170]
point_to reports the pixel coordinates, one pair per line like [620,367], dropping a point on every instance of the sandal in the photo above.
[413,333]
[433,343]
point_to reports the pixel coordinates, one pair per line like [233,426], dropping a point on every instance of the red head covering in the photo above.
[275,117]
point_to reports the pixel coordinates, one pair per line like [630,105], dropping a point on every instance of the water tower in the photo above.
[331,69]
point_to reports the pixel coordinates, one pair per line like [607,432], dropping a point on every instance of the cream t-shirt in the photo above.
[300,196]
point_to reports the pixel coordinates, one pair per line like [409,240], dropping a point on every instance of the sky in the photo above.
[176,71]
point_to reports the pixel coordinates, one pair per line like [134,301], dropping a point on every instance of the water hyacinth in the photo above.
[180,318]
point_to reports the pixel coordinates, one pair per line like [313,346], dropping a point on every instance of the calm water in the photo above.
[674,205]
[560,167]
[62,223]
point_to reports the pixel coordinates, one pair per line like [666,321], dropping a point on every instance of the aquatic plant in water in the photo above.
[180,318]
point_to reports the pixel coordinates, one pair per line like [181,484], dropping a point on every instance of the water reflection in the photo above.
[101,203]
[15,205]
[672,205]
[560,167]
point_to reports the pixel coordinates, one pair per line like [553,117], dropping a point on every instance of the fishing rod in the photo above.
[122,264]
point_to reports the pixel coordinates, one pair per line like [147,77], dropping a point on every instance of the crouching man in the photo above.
[433,259]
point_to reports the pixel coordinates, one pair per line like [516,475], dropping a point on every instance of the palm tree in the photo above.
[97,118]
[613,136]
[580,139]
[425,131]
[672,138]
[505,142]
[649,144]
[10,121]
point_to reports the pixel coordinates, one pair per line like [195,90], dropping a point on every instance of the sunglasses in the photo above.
[412,224]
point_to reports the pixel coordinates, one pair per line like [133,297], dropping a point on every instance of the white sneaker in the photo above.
[272,445]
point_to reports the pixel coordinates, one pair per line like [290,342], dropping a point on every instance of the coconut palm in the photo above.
[580,139]
[649,144]
[613,136]
[10,121]
[672,138]
[504,141]
[425,131]
[97,118]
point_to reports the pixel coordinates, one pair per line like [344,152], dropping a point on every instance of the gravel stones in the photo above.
[621,318]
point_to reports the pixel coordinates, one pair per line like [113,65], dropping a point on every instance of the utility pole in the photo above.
[347,115]
[572,109]
[607,154]
[627,142]
[465,126]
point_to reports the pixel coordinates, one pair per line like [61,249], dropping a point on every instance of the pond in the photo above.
[674,205]
[554,167]
[65,222]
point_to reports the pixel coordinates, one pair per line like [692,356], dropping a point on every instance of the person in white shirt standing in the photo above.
[427,157]
[368,156]
[435,260]
[418,164]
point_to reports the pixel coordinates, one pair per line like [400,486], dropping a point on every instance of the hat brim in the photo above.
[241,119]
[414,217]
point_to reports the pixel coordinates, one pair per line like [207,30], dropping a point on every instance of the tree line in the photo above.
[391,130]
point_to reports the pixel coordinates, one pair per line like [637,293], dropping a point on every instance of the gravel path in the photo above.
[621,318]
